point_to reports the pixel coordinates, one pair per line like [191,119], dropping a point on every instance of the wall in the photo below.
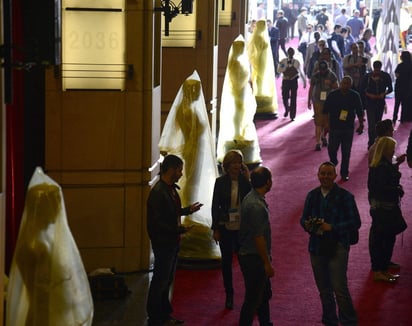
[99,146]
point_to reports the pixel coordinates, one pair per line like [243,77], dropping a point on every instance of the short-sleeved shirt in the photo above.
[342,109]
[356,25]
[254,222]
[322,18]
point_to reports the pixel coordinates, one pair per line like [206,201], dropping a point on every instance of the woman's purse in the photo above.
[390,219]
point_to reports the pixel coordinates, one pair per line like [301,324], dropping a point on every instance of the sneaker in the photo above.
[318,147]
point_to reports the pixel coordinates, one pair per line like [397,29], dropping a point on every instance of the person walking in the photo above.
[273,32]
[375,86]
[255,250]
[164,227]
[283,25]
[291,70]
[331,217]
[403,87]
[354,65]
[321,84]
[356,24]
[341,106]
[302,21]
[228,193]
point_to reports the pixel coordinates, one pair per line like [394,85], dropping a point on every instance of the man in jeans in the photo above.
[331,218]
[255,250]
[164,226]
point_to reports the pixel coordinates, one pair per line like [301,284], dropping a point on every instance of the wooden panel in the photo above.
[92,131]
[96,216]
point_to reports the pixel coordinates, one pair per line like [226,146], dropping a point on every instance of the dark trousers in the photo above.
[275,55]
[380,244]
[374,113]
[258,291]
[404,100]
[344,139]
[331,281]
[289,92]
[282,45]
[158,303]
[229,245]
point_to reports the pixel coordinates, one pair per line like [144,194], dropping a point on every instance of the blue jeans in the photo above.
[229,245]
[331,280]
[158,303]
[342,138]
[258,291]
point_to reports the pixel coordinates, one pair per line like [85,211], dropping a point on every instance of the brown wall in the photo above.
[99,149]
[179,63]
[100,144]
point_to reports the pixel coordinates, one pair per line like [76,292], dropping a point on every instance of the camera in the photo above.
[313,224]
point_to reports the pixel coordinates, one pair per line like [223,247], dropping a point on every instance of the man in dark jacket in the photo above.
[282,24]
[375,85]
[164,226]
[274,43]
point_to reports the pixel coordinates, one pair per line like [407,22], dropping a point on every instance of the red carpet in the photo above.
[288,150]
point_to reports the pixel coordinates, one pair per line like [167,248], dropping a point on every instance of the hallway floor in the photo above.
[129,311]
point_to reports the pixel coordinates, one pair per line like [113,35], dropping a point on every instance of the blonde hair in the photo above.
[384,149]
[230,157]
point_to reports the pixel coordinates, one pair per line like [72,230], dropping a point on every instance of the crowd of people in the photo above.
[241,226]
[343,43]
[343,85]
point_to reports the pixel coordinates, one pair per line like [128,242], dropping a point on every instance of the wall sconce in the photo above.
[170,10]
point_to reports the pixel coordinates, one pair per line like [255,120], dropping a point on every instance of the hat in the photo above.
[323,65]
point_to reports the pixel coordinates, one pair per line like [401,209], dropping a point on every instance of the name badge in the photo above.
[234,215]
[323,95]
[343,115]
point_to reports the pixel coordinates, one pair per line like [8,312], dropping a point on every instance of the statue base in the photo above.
[265,116]
[265,108]
[193,264]
[250,153]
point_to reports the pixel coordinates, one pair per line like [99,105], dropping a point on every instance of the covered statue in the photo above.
[263,71]
[187,134]
[48,285]
[238,107]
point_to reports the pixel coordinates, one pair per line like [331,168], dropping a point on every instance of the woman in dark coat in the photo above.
[385,193]
[229,191]
[403,72]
